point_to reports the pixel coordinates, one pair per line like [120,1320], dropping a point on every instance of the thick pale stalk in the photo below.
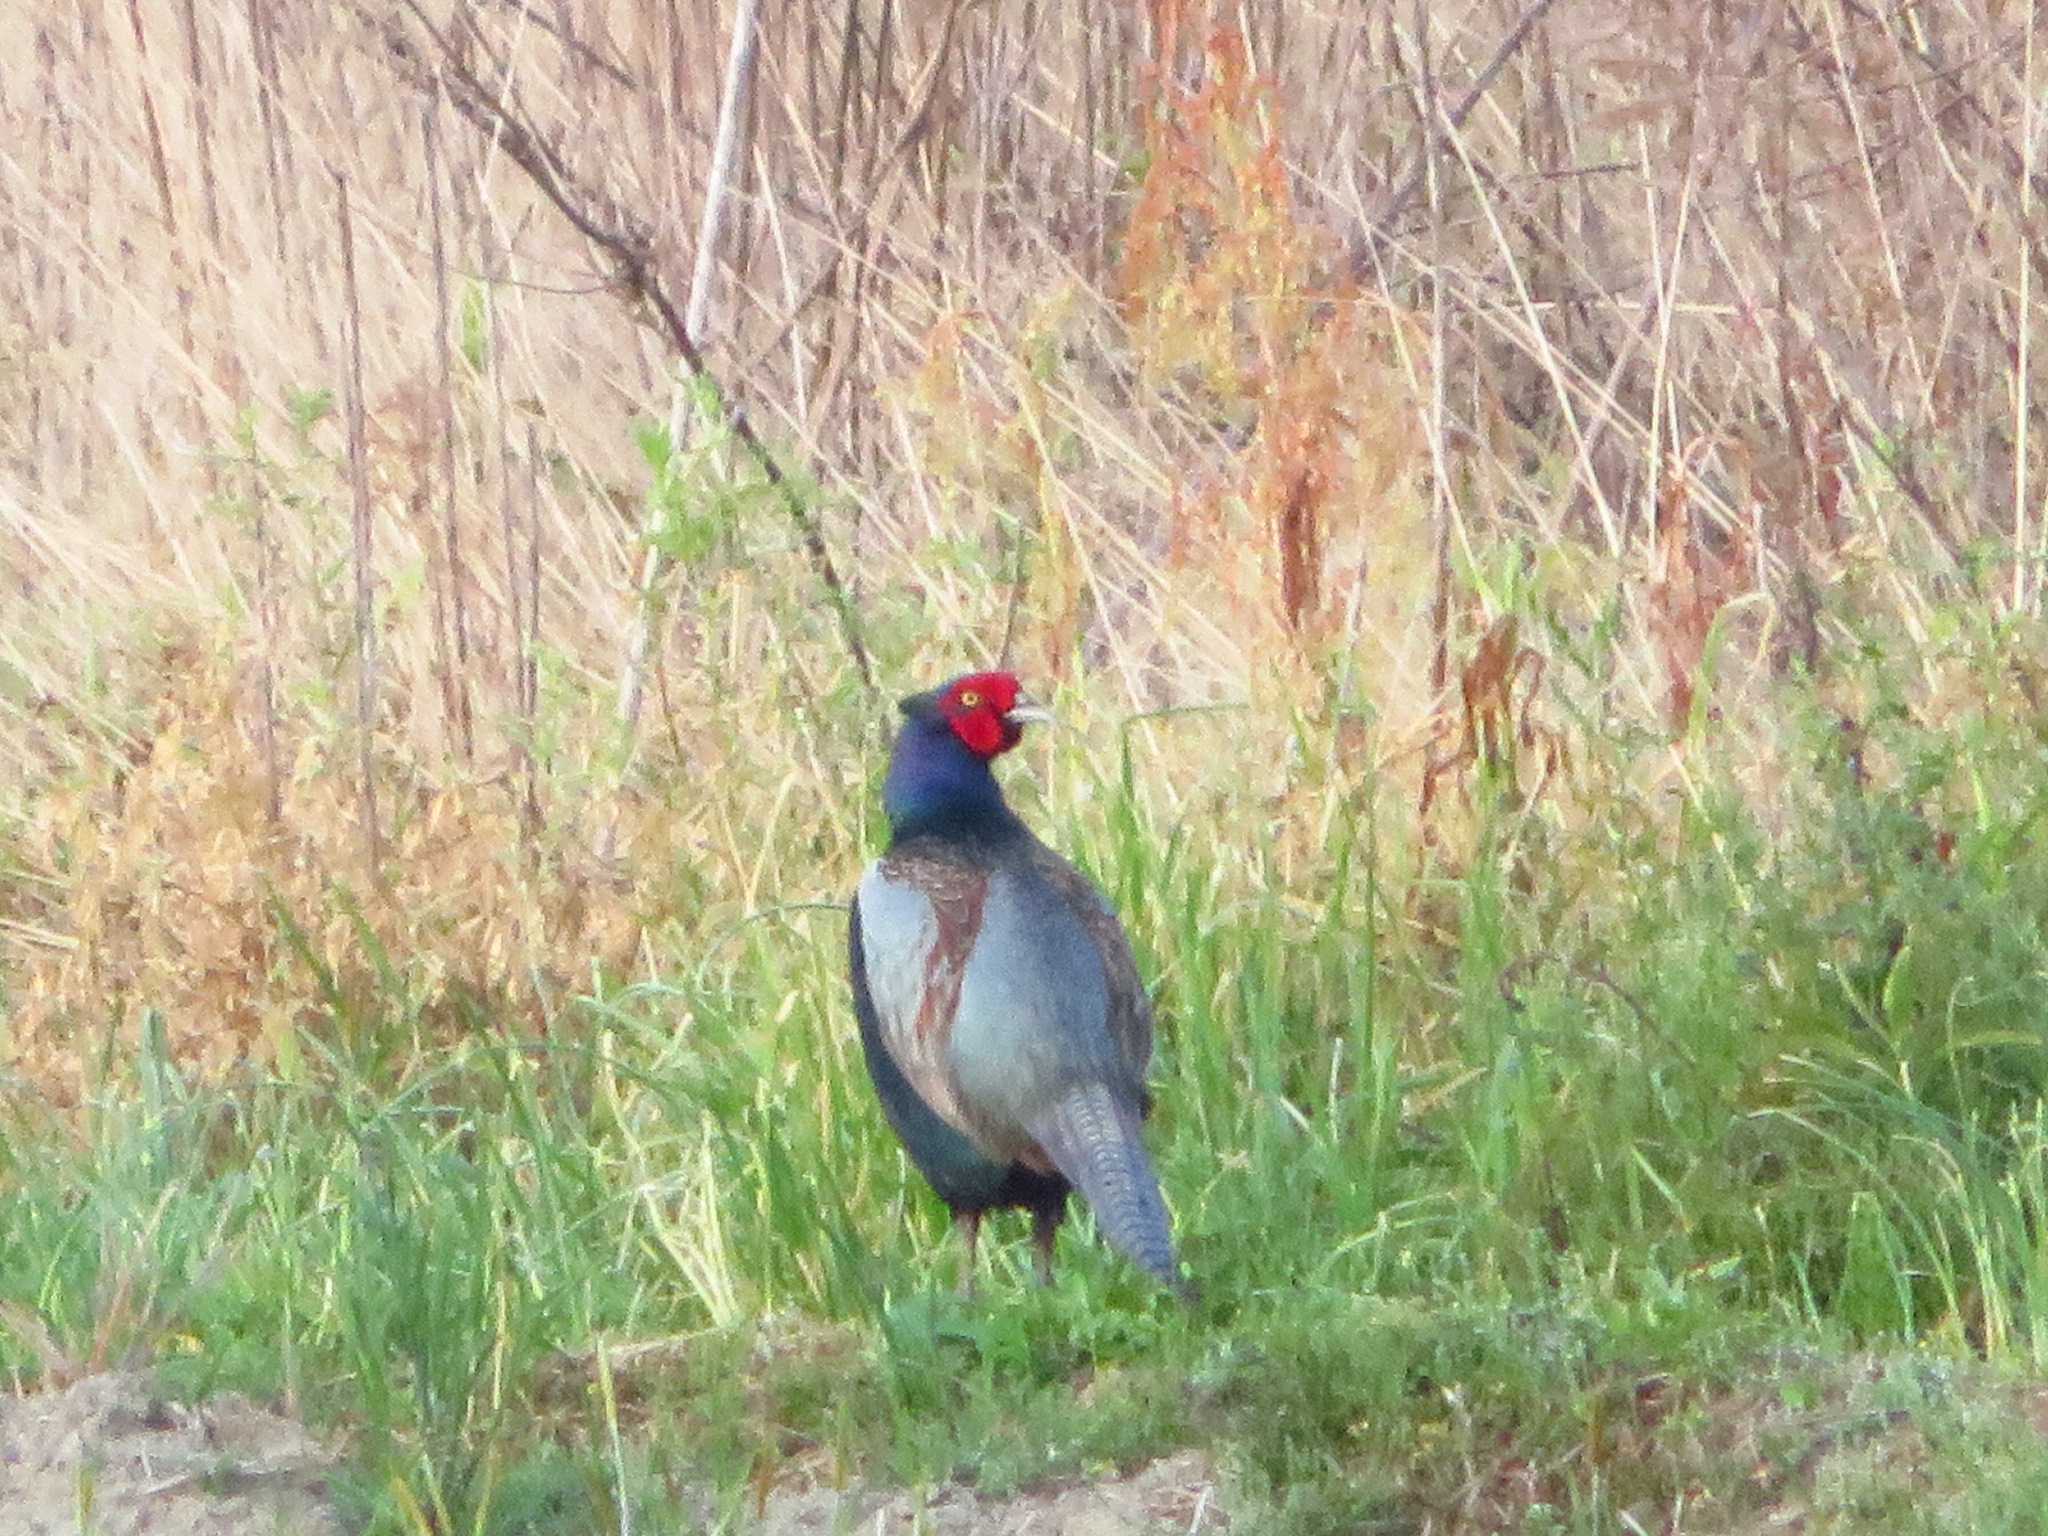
[725,156]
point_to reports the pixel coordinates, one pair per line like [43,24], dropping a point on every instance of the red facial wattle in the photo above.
[983,731]
[976,710]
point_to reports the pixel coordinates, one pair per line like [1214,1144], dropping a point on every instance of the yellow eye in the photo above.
[970,700]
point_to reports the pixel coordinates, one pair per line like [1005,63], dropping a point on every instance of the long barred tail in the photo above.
[1095,1142]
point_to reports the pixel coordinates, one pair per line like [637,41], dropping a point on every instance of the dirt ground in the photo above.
[109,1456]
[1177,1494]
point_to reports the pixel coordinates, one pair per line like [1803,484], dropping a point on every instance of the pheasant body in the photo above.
[1001,1013]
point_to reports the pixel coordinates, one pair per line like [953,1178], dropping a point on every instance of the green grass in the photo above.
[1700,1176]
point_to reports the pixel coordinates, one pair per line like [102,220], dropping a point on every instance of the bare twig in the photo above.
[726,152]
[2026,592]
[725,157]
[359,489]
[1440,488]
[455,576]
[629,246]
[267,636]
[1411,183]
[159,167]
[514,594]
[529,679]
[202,125]
[1014,604]
[588,55]
[266,112]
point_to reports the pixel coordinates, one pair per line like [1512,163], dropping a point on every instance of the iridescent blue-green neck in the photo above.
[936,784]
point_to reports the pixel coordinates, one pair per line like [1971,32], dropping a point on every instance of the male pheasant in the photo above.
[1004,1023]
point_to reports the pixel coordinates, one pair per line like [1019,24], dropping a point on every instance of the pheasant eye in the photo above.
[970,700]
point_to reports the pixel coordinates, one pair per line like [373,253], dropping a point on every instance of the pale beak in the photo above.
[1026,712]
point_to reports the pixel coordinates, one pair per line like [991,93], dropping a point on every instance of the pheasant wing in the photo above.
[1129,1012]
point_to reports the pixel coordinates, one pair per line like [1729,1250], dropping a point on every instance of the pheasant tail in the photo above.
[1095,1142]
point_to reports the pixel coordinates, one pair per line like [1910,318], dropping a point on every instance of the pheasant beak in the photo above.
[1028,712]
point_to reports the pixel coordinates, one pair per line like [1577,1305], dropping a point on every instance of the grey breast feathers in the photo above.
[919,918]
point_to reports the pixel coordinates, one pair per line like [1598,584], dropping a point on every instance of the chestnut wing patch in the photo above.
[920,918]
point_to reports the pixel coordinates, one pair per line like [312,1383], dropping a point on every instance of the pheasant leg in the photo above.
[1045,1224]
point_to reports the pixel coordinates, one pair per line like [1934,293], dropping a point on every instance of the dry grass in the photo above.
[1159,348]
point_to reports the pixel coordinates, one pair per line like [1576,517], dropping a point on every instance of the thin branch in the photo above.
[725,155]
[1418,165]
[454,571]
[359,487]
[629,246]
[589,55]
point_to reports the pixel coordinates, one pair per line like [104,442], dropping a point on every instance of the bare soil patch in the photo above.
[111,1456]
[1177,1493]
